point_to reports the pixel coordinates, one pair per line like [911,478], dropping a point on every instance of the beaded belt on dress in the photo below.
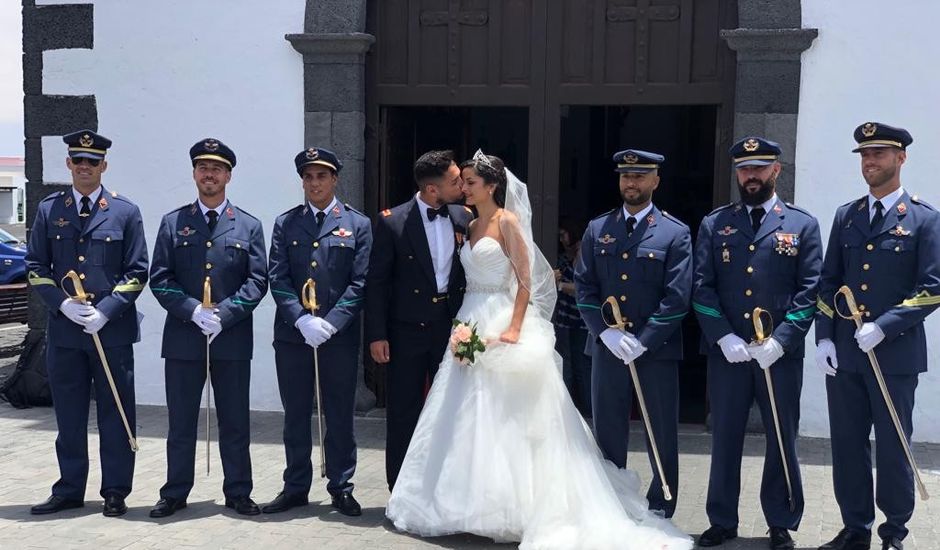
[487,289]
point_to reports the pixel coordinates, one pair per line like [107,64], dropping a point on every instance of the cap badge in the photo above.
[211,145]
[869,129]
[630,158]
[86,140]
[313,154]
[751,145]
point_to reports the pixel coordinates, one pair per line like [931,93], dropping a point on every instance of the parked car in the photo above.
[12,259]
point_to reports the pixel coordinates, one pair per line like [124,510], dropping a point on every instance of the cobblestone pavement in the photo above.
[27,460]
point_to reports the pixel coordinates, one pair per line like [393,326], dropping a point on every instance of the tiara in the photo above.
[483,159]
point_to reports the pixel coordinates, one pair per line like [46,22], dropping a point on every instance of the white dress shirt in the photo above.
[887,202]
[78,198]
[329,207]
[440,235]
[218,209]
[766,206]
[639,215]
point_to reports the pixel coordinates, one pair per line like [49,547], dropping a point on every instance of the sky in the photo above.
[11,79]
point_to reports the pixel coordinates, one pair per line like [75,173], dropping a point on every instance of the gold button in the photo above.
[652,255]
[603,252]
[185,243]
[416,291]
[626,255]
[629,324]
[750,269]
[624,277]
[316,245]
[208,265]
[867,314]
[411,257]
[864,286]
[82,276]
[107,239]
[79,240]
[294,243]
[748,292]
[81,258]
[747,315]
[751,248]
[623,298]
[866,267]
[238,245]
[897,249]
[59,237]
[861,307]
[208,244]
[870,246]
[313,264]
[342,244]
[434,299]
[421,325]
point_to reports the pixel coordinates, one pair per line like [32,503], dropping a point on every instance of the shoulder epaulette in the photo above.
[247,213]
[53,195]
[609,212]
[669,216]
[917,200]
[353,210]
[115,195]
[720,208]
[183,207]
[792,206]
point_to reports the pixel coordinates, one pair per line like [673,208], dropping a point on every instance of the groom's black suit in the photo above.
[404,307]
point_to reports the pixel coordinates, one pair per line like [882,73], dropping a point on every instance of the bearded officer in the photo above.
[759,252]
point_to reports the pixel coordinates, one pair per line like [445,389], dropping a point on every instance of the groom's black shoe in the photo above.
[54,504]
[346,504]
[716,535]
[848,539]
[284,501]
[780,539]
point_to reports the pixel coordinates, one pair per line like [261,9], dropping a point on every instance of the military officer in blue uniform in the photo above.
[329,242]
[885,246]
[212,239]
[759,252]
[100,235]
[642,257]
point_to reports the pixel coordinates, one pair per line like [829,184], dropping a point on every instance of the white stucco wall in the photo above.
[869,63]
[11,80]
[165,75]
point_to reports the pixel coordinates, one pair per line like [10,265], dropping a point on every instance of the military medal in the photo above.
[725,254]
[787,244]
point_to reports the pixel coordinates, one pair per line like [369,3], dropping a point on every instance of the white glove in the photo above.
[76,311]
[766,354]
[315,330]
[868,336]
[825,349]
[96,321]
[207,321]
[638,349]
[734,348]
[619,342]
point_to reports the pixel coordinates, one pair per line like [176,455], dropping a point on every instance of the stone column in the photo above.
[769,43]
[333,46]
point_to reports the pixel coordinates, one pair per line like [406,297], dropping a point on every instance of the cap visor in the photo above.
[874,146]
[85,155]
[754,162]
[634,170]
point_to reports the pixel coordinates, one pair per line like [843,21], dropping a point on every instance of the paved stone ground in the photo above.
[28,466]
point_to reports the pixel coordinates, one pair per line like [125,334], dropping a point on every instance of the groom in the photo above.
[414,288]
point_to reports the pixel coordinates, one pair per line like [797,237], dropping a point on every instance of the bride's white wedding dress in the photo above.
[500,450]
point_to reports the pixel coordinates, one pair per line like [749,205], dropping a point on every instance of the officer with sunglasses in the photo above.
[99,234]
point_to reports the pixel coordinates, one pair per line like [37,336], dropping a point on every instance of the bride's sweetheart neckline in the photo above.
[473,245]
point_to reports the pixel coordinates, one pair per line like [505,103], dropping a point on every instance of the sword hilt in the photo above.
[619,321]
[207,293]
[80,294]
[757,317]
[849,298]
[308,296]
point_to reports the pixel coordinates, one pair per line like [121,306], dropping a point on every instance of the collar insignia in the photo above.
[902,208]
[68,201]
[862,204]
[650,219]
[230,213]
[103,203]
[777,208]
[335,210]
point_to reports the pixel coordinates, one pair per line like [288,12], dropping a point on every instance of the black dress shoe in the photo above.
[167,506]
[284,502]
[54,504]
[848,539]
[114,506]
[892,543]
[346,504]
[716,535]
[243,505]
[780,539]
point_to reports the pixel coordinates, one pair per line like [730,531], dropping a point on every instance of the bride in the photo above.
[500,449]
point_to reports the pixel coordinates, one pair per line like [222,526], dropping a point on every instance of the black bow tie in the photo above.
[435,212]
